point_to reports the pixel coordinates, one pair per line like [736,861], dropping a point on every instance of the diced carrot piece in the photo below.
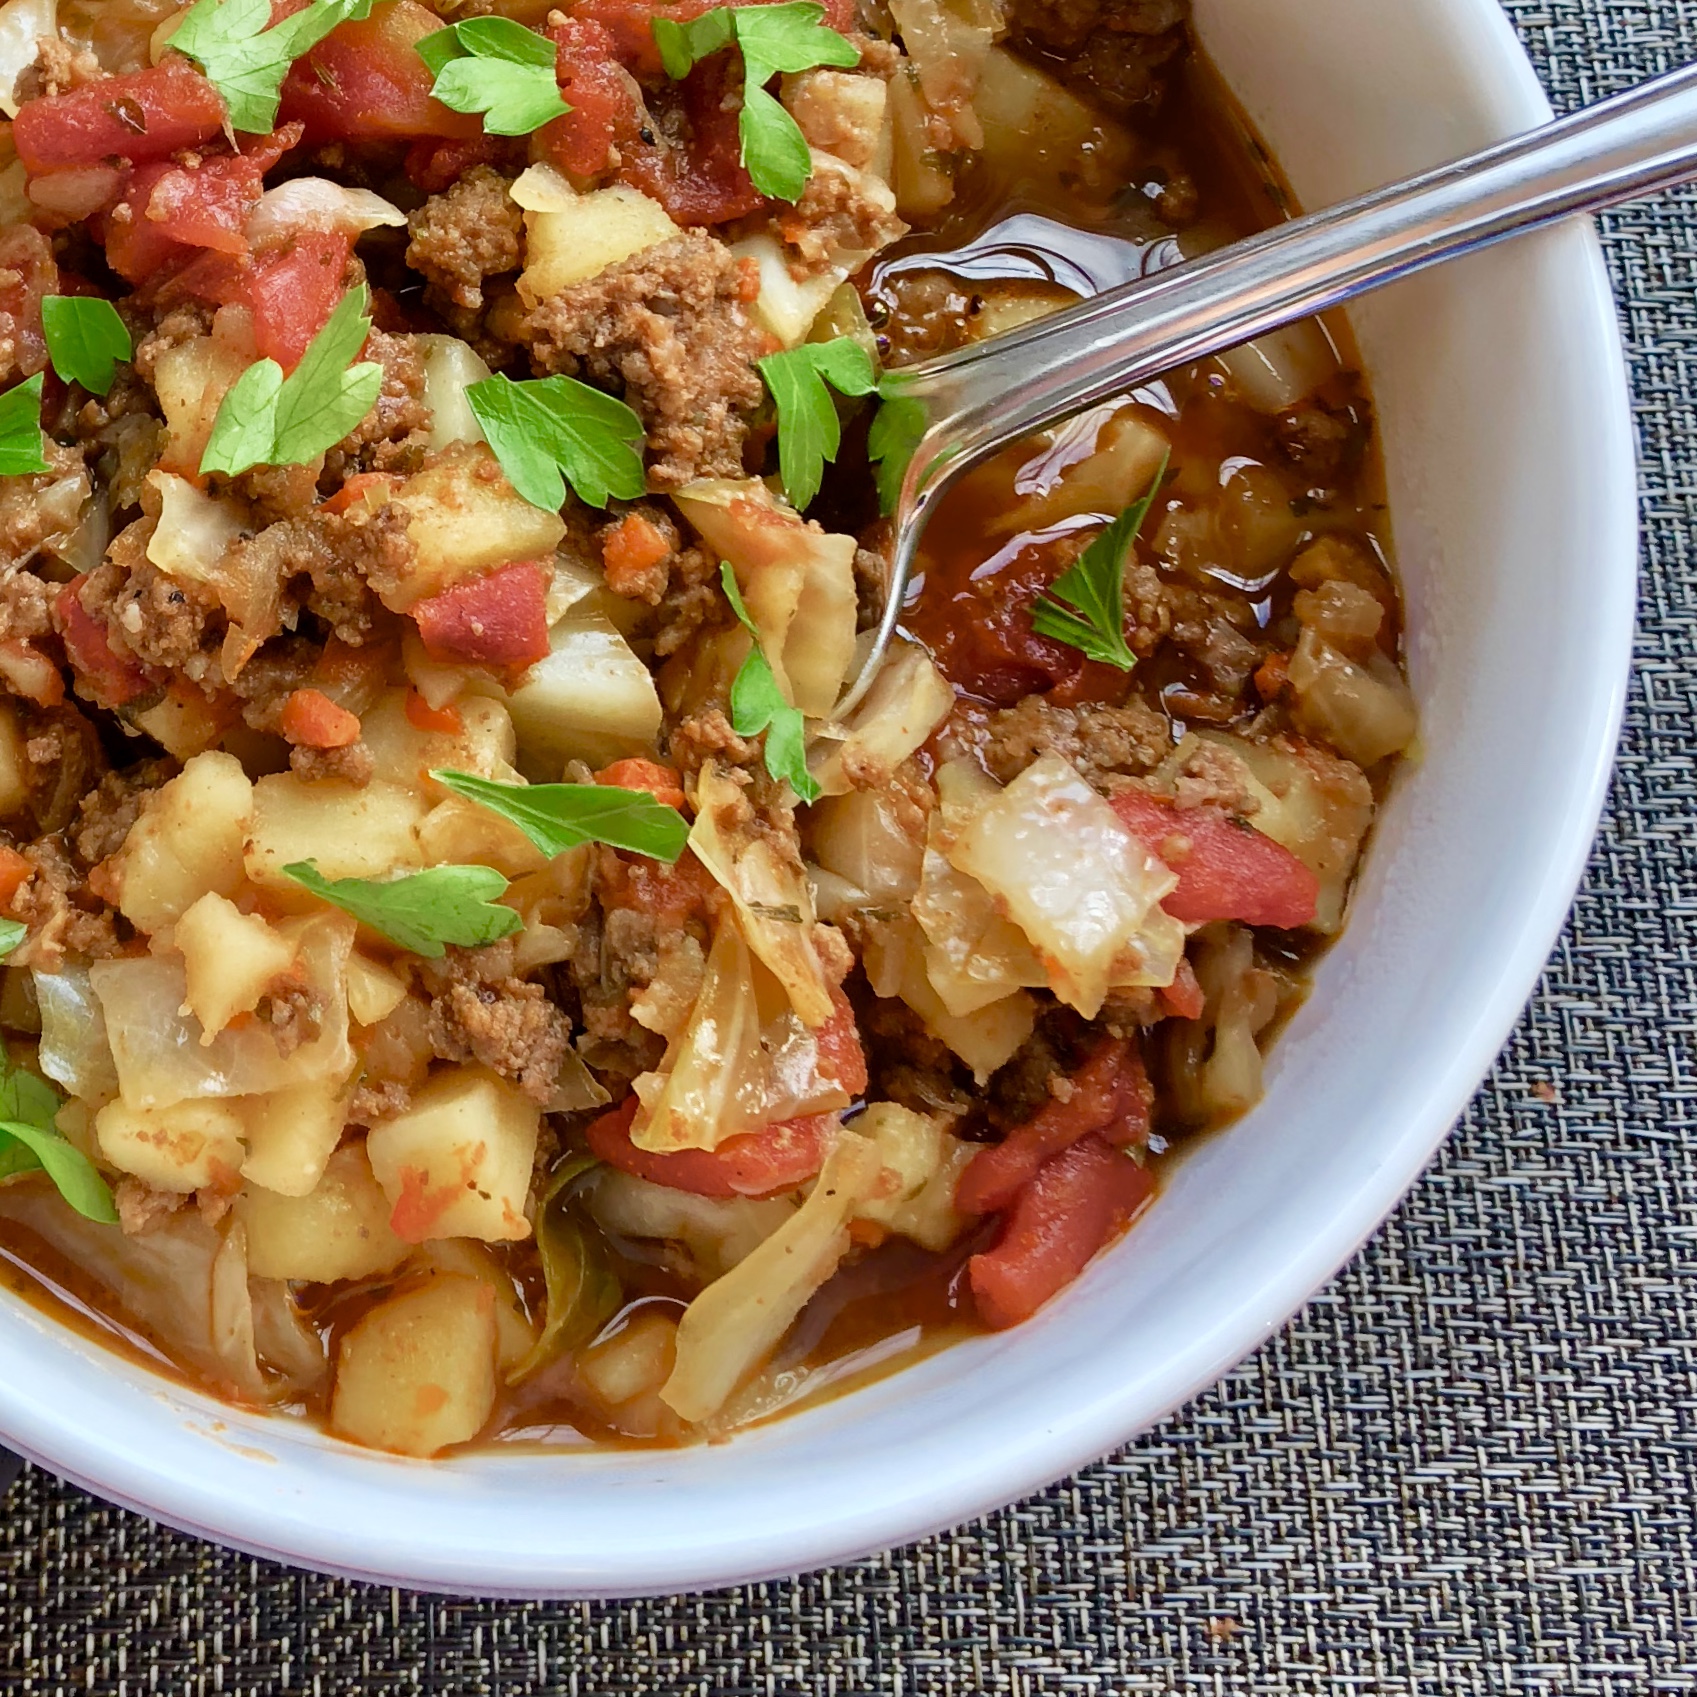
[662,782]
[312,720]
[423,717]
[15,872]
[1182,998]
[629,550]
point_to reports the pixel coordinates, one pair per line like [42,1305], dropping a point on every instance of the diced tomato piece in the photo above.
[15,872]
[497,620]
[1076,1203]
[759,1163]
[603,98]
[138,116]
[841,1055]
[423,717]
[704,184]
[1183,998]
[366,82]
[1226,868]
[108,678]
[1111,1098]
[676,895]
[312,720]
[661,782]
[368,489]
[293,290]
[164,208]
[434,164]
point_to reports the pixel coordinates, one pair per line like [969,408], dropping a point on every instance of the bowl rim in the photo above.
[279,1526]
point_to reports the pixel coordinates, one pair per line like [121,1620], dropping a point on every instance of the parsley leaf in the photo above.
[20,429]
[809,431]
[1085,606]
[496,67]
[894,435]
[540,426]
[773,39]
[12,932]
[269,419]
[557,817]
[420,911]
[246,59]
[757,704]
[29,1142]
[85,339]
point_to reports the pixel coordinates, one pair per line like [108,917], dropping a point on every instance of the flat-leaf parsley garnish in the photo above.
[896,430]
[421,912]
[496,67]
[557,817]
[246,57]
[30,1142]
[773,39]
[20,429]
[269,419]
[85,339]
[809,431]
[757,704]
[540,427]
[1085,605]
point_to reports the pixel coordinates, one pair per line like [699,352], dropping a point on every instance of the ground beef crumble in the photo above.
[471,231]
[670,326]
[481,1011]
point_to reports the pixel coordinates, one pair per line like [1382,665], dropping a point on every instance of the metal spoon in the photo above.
[983,397]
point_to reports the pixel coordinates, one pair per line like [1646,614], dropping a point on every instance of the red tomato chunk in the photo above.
[1078,1202]
[1226,868]
[499,620]
[142,115]
[760,1163]
[1111,1097]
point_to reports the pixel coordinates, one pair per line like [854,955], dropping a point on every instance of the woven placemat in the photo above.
[1469,1466]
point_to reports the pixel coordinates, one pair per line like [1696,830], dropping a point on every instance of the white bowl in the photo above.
[1502,394]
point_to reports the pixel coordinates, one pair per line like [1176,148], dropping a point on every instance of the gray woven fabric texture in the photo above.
[1469,1466]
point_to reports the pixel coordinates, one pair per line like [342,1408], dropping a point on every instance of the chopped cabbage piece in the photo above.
[733,1325]
[1084,891]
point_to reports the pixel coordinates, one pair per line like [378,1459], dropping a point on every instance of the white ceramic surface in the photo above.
[1502,394]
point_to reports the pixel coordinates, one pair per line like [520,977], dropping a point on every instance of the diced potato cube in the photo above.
[405,754]
[187,841]
[636,1360]
[457,832]
[577,237]
[374,992]
[417,1373]
[515,1331]
[457,1163]
[339,1230]
[592,699]
[350,832]
[465,518]
[183,1147]
[290,1134]
[14,779]
[229,957]
[839,112]
[182,721]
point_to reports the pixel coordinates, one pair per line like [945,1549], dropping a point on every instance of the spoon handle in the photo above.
[987,395]
[982,397]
